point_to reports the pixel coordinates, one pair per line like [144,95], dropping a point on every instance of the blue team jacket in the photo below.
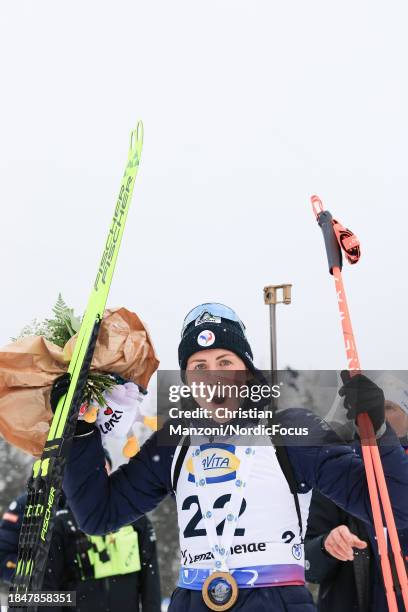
[103,503]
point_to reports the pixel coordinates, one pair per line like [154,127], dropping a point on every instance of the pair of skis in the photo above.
[45,483]
[338,239]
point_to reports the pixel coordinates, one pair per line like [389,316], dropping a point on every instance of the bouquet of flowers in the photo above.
[124,356]
[59,330]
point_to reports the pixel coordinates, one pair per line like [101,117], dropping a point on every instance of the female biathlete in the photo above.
[242,504]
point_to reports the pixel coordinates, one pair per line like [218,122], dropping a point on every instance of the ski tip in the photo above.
[136,140]
[317,205]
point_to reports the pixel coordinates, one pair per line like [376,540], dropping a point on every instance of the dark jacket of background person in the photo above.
[355,586]
[65,571]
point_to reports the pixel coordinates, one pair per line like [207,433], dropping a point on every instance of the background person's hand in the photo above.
[340,543]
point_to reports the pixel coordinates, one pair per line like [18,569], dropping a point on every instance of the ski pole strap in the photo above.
[348,242]
[336,237]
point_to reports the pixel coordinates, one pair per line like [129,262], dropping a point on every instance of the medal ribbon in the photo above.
[220,548]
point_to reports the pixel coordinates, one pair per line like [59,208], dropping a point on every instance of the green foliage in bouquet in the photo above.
[64,325]
[59,330]
[97,384]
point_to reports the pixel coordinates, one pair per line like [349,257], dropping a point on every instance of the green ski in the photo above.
[45,483]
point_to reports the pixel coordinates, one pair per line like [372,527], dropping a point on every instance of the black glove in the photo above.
[362,395]
[60,388]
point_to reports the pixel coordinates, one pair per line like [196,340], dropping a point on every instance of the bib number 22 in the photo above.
[191,530]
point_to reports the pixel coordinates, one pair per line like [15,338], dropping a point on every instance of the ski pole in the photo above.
[337,238]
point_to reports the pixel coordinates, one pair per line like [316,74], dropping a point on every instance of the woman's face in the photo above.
[213,366]
[215,359]
[397,418]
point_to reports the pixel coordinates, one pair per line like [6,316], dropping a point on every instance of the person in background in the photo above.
[109,573]
[340,550]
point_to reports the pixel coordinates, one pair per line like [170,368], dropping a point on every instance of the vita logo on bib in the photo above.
[219,463]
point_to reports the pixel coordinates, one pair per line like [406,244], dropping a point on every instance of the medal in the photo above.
[220,591]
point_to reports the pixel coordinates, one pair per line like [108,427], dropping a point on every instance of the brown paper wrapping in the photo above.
[28,368]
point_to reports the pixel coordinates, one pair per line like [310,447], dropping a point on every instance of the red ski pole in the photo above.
[336,238]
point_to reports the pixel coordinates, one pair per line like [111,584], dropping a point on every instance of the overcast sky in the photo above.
[248,108]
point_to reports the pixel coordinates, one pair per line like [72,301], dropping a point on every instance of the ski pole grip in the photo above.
[333,251]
